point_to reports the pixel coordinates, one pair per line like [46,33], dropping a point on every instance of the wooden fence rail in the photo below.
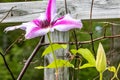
[26,11]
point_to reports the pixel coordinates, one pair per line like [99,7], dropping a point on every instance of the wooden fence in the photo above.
[26,11]
[80,9]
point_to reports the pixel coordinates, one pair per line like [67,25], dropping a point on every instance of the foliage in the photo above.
[60,63]
[20,51]
[48,50]
[115,71]
[18,54]
[89,65]
[86,55]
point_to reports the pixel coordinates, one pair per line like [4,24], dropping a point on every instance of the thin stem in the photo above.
[117,71]
[66,10]
[91,35]
[91,9]
[101,75]
[85,42]
[30,59]
[112,40]
[115,74]
[7,14]
[90,32]
[76,72]
[54,56]
[75,38]
[105,29]
[7,66]
[12,44]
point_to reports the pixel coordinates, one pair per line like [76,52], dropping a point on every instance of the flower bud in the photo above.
[101,59]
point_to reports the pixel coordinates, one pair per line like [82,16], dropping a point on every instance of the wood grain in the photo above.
[80,9]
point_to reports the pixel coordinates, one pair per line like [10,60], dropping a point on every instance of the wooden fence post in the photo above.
[63,73]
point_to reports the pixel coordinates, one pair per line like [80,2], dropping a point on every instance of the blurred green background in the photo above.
[21,50]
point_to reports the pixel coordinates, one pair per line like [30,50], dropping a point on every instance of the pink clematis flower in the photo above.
[47,22]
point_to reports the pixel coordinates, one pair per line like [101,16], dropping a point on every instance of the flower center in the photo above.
[45,24]
[41,24]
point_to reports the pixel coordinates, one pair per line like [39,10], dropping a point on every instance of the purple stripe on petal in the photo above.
[36,32]
[48,10]
[37,22]
[30,34]
[34,29]
[67,23]
[51,10]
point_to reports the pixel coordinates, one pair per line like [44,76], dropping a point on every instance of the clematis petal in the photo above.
[42,17]
[32,28]
[14,27]
[36,28]
[66,23]
[36,32]
[51,10]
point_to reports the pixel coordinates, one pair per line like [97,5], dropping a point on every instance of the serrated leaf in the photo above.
[86,66]
[59,62]
[112,69]
[55,47]
[101,59]
[74,51]
[87,55]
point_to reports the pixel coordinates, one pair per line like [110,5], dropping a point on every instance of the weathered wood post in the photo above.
[56,36]
[63,73]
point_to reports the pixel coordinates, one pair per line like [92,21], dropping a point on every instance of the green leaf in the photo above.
[115,71]
[101,59]
[87,55]
[63,45]
[55,47]
[86,66]
[40,67]
[74,51]
[60,63]
[112,69]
